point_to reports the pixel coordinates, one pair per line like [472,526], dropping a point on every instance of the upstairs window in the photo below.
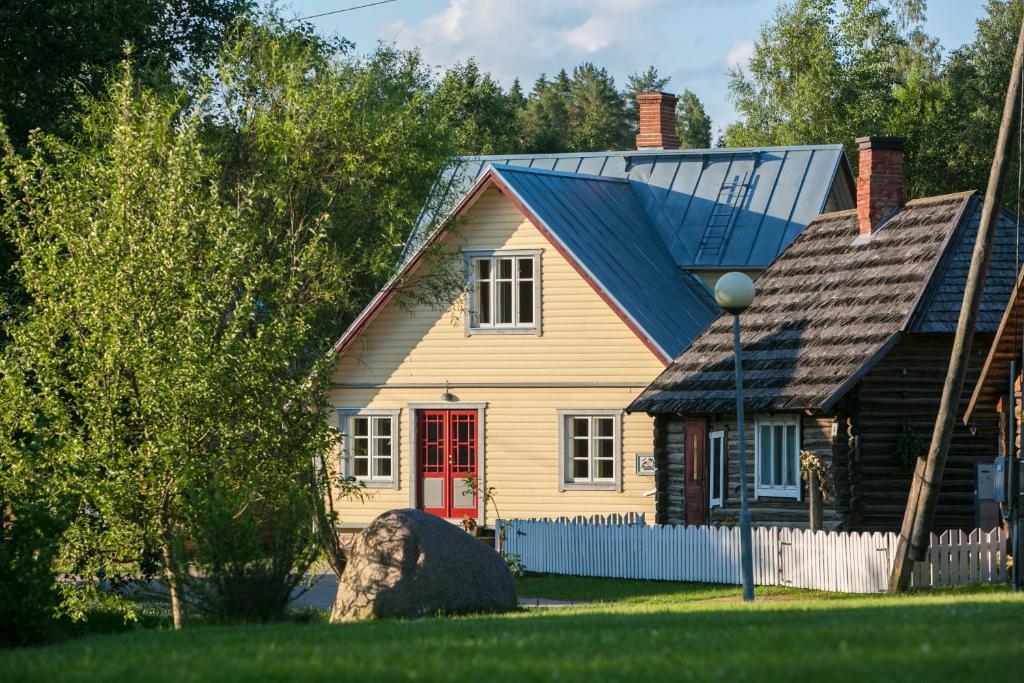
[777,454]
[505,293]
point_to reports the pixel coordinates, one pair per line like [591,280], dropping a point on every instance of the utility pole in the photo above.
[924,488]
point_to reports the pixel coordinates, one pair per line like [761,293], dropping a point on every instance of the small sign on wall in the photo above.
[645,466]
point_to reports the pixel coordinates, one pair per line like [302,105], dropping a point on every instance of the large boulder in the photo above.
[409,564]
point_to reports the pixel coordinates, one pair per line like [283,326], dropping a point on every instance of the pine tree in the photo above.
[693,125]
[598,116]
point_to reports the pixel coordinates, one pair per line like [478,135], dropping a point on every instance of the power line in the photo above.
[339,11]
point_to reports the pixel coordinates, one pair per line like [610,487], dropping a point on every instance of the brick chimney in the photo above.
[880,180]
[657,121]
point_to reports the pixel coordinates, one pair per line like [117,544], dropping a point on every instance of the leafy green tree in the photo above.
[693,124]
[188,264]
[829,71]
[53,52]
[480,116]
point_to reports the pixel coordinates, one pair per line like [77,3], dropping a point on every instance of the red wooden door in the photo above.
[695,489]
[446,453]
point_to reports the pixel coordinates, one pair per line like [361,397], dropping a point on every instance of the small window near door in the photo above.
[505,291]
[590,450]
[716,482]
[370,446]
[777,457]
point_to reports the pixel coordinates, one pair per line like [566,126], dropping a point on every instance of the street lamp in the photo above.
[734,292]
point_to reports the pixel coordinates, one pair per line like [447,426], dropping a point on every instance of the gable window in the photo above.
[370,446]
[505,292]
[590,452]
[777,456]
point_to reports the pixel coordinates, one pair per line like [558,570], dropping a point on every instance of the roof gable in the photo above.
[598,223]
[826,311]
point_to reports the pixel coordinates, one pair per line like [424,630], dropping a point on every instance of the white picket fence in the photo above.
[833,561]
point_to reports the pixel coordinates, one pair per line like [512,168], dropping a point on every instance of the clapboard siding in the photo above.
[583,342]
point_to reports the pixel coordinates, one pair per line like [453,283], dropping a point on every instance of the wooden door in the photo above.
[446,455]
[695,489]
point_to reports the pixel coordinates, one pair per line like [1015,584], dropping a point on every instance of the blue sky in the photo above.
[693,41]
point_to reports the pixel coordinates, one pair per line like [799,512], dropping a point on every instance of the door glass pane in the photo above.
[792,456]
[764,455]
[777,453]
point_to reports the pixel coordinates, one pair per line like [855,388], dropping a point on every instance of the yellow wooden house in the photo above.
[586,274]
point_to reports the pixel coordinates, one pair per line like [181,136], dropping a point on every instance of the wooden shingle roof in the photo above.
[831,306]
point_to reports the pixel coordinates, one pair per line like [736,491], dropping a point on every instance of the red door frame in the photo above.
[448,448]
[695,487]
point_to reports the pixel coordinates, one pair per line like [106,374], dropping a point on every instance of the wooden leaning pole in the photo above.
[924,488]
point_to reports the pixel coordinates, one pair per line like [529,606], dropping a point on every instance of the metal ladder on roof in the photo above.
[720,222]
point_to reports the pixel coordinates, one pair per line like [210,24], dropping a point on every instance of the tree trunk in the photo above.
[174,589]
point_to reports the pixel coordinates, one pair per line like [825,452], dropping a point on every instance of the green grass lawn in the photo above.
[635,631]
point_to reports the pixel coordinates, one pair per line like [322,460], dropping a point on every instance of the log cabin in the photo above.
[584,276]
[845,350]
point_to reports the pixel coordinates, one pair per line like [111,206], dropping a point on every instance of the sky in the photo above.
[695,42]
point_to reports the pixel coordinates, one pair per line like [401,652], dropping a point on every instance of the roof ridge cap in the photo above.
[964,194]
[502,168]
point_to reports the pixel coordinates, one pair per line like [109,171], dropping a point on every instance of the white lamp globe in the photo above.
[734,292]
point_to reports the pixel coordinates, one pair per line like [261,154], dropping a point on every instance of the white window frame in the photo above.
[345,417]
[791,490]
[471,257]
[566,482]
[717,470]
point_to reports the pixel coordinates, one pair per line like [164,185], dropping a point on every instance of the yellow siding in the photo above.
[583,342]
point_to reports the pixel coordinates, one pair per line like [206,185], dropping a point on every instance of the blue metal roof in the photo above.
[714,207]
[600,223]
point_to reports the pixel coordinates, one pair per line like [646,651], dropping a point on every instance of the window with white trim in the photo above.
[505,293]
[370,446]
[590,450]
[777,456]
[717,478]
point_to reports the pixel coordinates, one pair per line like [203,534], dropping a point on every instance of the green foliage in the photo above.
[187,263]
[479,115]
[832,70]
[909,447]
[28,593]
[692,122]
[51,53]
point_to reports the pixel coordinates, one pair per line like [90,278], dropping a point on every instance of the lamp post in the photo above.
[734,292]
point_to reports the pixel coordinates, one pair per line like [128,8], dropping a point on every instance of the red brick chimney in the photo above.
[657,121]
[880,180]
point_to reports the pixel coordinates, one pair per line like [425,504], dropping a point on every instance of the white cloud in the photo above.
[527,37]
[740,54]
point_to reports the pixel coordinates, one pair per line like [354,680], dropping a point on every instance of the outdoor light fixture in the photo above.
[447,395]
[734,292]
